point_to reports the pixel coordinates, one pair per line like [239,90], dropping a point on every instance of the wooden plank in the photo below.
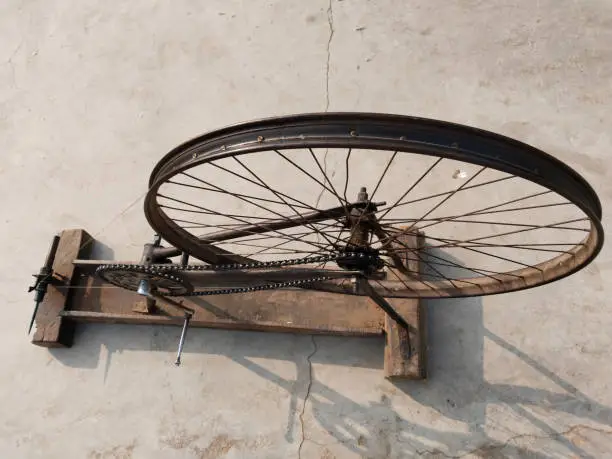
[269,326]
[51,329]
[295,311]
[405,350]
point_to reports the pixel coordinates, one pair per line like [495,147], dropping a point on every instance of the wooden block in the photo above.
[405,350]
[52,330]
[292,311]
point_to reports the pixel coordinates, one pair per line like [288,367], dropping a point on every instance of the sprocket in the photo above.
[170,283]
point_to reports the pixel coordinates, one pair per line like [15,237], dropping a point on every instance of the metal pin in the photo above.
[144,288]
[182,340]
[184,259]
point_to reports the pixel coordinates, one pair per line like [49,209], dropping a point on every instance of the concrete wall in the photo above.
[93,93]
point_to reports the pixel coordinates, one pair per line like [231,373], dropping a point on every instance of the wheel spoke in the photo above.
[326,178]
[397,204]
[382,176]
[229,171]
[280,197]
[391,222]
[429,212]
[418,279]
[479,271]
[481,211]
[551,225]
[412,187]
[205,210]
[221,191]
[306,173]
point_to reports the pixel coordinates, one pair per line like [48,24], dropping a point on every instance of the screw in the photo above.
[260,138]
[403,138]
[194,156]
[353,133]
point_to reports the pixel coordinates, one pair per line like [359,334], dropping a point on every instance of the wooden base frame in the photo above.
[290,311]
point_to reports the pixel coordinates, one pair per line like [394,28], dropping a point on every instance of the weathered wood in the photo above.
[405,350]
[292,311]
[226,324]
[297,311]
[51,329]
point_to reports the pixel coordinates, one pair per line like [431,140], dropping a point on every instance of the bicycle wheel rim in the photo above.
[390,133]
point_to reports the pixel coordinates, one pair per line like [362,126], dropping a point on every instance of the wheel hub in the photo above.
[361,222]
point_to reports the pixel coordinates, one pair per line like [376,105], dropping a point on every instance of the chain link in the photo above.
[165,270]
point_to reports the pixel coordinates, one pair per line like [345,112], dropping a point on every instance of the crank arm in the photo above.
[145,290]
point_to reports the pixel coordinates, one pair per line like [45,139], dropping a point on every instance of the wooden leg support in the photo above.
[52,330]
[405,350]
[290,311]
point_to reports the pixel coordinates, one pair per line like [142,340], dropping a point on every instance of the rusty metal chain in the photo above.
[166,270]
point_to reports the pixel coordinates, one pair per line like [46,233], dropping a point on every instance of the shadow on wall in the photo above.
[456,388]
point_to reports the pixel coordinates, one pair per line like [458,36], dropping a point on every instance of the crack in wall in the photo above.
[330,22]
[307,395]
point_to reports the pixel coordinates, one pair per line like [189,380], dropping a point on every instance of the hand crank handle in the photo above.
[182,340]
[144,289]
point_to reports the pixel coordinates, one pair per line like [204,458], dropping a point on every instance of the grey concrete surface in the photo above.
[93,93]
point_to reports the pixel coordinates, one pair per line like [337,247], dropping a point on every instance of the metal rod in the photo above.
[36,305]
[365,286]
[144,289]
[182,340]
[303,219]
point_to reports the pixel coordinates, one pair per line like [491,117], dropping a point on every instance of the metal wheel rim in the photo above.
[405,134]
